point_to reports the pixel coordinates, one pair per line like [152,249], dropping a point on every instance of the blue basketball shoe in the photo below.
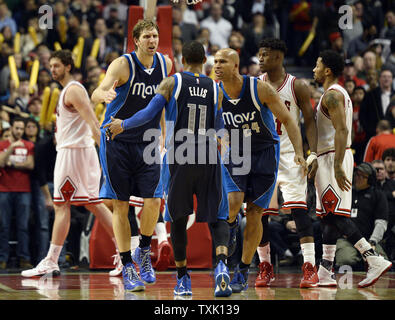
[222,279]
[240,280]
[131,280]
[183,287]
[142,256]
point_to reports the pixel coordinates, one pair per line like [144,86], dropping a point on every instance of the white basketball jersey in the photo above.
[325,129]
[71,130]
[287,95]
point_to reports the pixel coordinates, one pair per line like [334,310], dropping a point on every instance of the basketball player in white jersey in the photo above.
[291,179]
[77,169]
[335,170]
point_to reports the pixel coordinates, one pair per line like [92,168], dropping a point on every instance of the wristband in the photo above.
[311,158]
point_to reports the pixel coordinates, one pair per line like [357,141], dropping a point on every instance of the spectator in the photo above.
[117,5]
[369,63]
[375,104]
[34,108]
[358,134]
[16,161]
[369,212]
[220,28]
[188,30]
[349,85]
[357,27]
[350,73]
[107,42]
[361,43]
[389,163]
[204,38]
[5,18]
[177,54]
[19,97]
[390,62]
[5,73]
[336,41]
[388,187]
[5,135]
[388,32]
[382,141]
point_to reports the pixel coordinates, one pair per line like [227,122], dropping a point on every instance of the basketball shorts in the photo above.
[292,183]
[205,181]
[258,185]
[126,172]
[330,199]
[77,176]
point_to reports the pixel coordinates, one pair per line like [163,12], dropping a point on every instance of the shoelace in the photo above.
[132,274]
[310,273]
[117,259]
[265,272]
[146,262]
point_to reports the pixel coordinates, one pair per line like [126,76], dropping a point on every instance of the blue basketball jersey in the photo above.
[192,109]
[135,95]
[248,115]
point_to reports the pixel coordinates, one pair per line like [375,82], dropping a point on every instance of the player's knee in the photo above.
[303,223]
[235,202]
[152,203]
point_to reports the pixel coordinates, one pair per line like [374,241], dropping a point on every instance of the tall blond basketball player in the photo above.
[77,169]
[291,179]
[335,170]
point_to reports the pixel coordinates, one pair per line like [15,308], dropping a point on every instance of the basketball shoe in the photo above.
[131,280]
[45,267]
[377,266]
[222,279]
[326,278]
[183,287]
[240,280]
[164,251]
[265,274]
[142,257]
[118,266]
[233,236]
[310,277]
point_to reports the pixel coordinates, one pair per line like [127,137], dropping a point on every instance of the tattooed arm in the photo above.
[333,102]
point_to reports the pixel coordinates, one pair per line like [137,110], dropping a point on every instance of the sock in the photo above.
[328,256]
[126,257]
[145,241]
[362,245]
[308,252]
[243,266]
[161,232]
[134,243]
[54,252]
[221,257]
[264,253]
[181,271]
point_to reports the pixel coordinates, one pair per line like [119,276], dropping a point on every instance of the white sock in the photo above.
[308,252]
[288,253]
[54,252]
[362,245]
[264,253]
[134,243]
[161,232]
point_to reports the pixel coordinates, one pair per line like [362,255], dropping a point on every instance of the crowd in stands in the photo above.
[95,30]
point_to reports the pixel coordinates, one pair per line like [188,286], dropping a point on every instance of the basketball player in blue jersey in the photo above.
[248,108]
[193,113]
[128,86]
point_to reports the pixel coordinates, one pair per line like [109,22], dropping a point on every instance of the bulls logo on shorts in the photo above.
[330,200]
[67,189]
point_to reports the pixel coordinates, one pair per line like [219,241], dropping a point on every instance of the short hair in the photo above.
[379,161]
[143,25]
[17,119]
[65,56]
[193,52]
[274,44]
[390,152]
[384,125]
[359,88]
[333,60]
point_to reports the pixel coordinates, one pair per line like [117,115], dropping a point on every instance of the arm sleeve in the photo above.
[147,114]
[380,226]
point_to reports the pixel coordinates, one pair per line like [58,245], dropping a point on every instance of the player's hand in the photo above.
[299,159]
[113,128]
[313,169]
[111,94]
[341,179]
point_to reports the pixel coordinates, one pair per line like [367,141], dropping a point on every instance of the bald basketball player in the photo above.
[248,108]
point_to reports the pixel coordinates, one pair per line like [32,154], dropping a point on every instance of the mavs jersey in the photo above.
[135,95]
[190,128]
[248,115]
[192,110]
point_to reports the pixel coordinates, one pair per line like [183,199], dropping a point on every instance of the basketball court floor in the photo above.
[97,285]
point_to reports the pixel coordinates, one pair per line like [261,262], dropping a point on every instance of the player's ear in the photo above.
[204,60]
